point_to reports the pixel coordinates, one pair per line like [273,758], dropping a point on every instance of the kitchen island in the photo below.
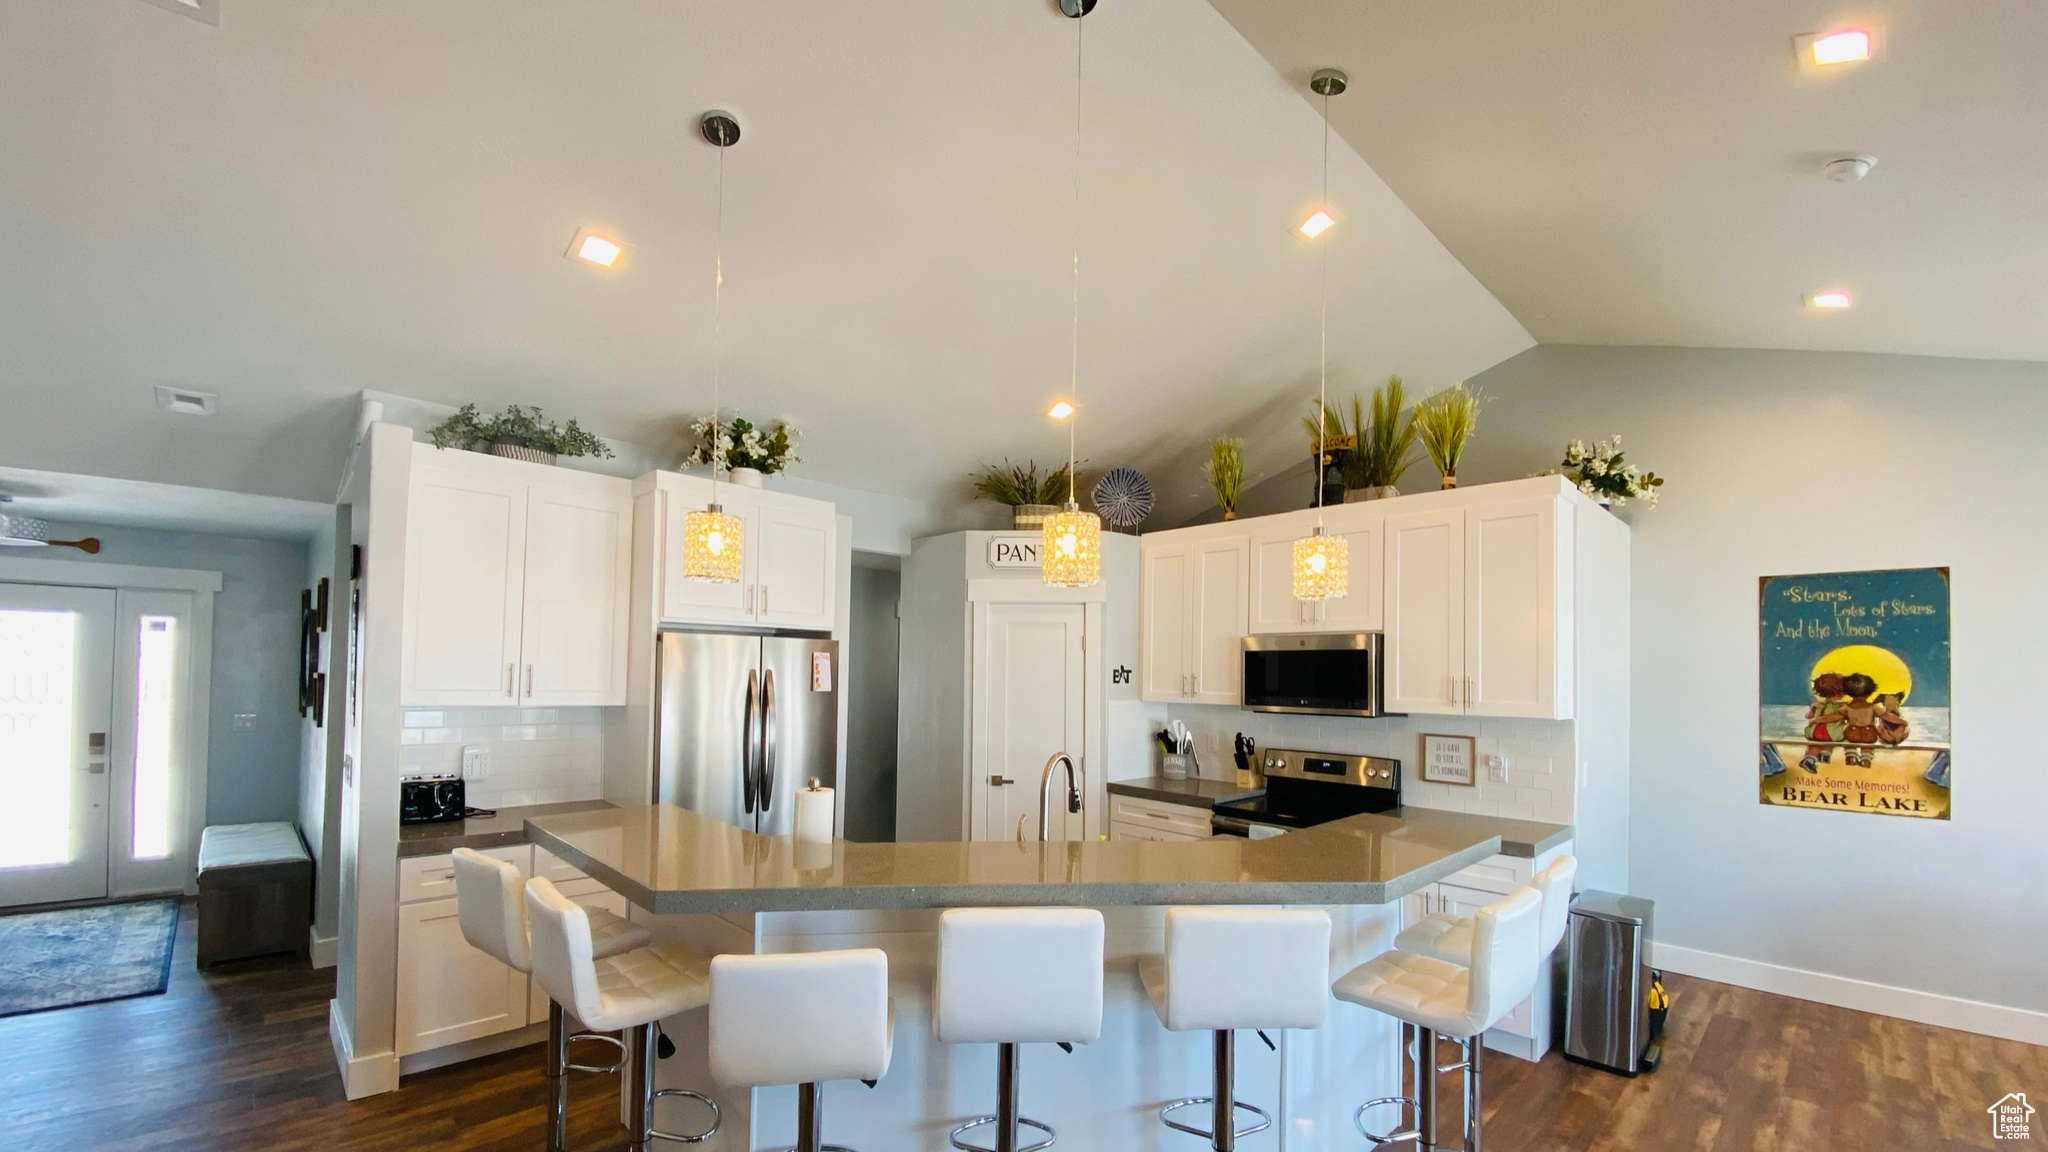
[725,889]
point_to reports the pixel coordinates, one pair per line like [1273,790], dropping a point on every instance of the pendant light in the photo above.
[1322,563]
[713,539]
[1072,539]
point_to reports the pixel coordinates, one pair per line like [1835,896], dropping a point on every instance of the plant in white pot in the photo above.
[746,451]
[1031,497]
[518,433]
[1385,448]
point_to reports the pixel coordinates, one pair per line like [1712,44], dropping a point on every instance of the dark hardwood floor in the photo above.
[237,1060]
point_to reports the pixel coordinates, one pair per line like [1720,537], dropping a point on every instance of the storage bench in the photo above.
[255,892]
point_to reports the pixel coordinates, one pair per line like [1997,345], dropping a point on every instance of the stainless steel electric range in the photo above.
[1304,789]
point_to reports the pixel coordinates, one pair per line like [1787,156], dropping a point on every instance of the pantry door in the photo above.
[1029,691]
[56,689]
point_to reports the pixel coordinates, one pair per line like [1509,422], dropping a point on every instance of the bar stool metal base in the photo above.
[643,1044]
[1223,1133]
[1265,1120]
[1025,1121]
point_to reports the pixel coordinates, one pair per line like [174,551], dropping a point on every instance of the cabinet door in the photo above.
[1164,615]
[579,562]
[1218,603]
[796,584]
[1511,609]
[1425,612]
[1362,608]
[1415,906]
[690,601]
[464,571]
[1273,607]
[448,991]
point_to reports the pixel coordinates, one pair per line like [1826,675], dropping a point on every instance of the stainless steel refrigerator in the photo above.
[742,722]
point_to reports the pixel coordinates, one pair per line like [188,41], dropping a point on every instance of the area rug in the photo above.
[85,955]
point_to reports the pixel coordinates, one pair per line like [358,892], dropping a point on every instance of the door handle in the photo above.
[1000,781]
[747,784]
[767,738]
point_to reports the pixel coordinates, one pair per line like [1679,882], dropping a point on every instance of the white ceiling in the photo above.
[1649,172]
[313,199]
[100,500]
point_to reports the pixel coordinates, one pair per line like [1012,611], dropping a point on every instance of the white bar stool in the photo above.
[490,904]
[801,1018]
[1440,998]
[1010,976]
[1449,937]
[628,992]
[1231,968]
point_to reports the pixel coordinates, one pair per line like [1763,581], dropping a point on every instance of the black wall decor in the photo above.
[312,682]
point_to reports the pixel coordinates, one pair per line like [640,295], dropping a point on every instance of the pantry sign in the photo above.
[1855,692]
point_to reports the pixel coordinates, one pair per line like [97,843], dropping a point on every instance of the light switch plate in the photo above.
[476,761]
[1497,768]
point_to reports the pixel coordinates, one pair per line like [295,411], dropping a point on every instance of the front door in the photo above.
[1029,707]
[56,687]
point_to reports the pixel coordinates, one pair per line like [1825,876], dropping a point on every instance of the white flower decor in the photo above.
[1604,474]
[740,444]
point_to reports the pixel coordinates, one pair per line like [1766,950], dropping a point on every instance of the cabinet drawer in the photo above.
[1497,874]
[433,877]
[554,868]
[1118,830]
[1152,813]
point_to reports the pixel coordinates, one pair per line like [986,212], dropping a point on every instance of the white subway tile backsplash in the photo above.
[537,755]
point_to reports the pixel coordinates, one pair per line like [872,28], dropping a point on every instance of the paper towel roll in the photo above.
[814,813]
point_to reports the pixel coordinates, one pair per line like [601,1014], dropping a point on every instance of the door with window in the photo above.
[94,720]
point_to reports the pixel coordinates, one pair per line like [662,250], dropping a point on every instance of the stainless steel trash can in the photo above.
[1607,992]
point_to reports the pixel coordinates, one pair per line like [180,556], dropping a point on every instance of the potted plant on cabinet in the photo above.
[1031,497]
[1226,473]
[517,433]
[1605,474]
[746,451]
[1446,422]
[1386,445]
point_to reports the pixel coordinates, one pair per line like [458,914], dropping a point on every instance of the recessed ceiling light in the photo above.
[594,248]
[185,401]
[1831,299]
[1820,51]
[1060,411]
[1315,225]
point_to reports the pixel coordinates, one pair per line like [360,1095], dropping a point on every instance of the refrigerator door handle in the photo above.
[767,738]
[747,778]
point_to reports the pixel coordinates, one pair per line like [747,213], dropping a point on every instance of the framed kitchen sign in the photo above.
[1449,759]
[1855,692]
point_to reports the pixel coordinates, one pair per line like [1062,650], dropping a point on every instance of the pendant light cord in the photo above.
[718,326]
[1074,383]
[1323,392]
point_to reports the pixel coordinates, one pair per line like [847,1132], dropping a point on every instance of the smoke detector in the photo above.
[1849,168]
[185,401]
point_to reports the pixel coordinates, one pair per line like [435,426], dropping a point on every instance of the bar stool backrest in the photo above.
[1555,885]
[800,1017]
[491,907]
[560,933]
[1229,968]
[1504,957]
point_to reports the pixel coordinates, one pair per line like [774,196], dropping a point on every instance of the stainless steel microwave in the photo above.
[1316,673]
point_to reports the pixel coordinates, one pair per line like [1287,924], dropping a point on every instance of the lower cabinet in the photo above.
[1526,1031]
[450,992]
[1133,818]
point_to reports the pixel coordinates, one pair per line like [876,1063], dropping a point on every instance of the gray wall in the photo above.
[250,775]
[871,705]
[321,745]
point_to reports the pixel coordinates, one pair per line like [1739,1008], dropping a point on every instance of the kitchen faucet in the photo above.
[1075,779]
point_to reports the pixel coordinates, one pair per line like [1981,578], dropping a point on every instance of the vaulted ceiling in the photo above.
[312,198]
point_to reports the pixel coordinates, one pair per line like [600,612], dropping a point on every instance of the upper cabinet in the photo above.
[1472,588]
[789,548]
[1195,595]
[516,582]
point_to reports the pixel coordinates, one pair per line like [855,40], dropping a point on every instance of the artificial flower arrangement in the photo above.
[1603,473]
[741,444]
[517,426]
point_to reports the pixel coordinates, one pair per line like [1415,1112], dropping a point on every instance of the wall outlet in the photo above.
[245,721]
[1497,768]
[476,761]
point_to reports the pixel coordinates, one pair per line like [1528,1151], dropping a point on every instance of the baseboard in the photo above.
[360,1075]
[323,949]
[2022,1024]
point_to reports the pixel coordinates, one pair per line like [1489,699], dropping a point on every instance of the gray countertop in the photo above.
[670,860]
[1524,838]
[507,827]
[1202,793]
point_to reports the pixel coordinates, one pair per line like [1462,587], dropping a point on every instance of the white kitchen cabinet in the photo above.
[1274,609]
[789,549]
[448,991]
[1526,1030]
[1477,611]
[516,583]
[1193,616]
[1135,818]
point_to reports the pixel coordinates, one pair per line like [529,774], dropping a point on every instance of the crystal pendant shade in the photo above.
[1322,567]
[1072,547]
[712,546]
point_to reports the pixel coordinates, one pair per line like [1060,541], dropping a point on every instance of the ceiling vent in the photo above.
[204,11]
[185,401]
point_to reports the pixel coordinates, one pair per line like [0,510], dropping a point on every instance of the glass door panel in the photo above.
[56,673]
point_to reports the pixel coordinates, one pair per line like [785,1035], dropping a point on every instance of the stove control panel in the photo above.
[1361,771]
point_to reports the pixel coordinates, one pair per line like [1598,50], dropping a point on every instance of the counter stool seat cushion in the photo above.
[1451,999]
[1019,976]
[1228,968]
[801,1017]
[490,904]
[616,993]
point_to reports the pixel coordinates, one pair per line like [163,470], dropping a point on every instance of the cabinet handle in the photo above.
[529,680]
[1454,689]
[511,680]
[764,599]
[1470,696]
[1195,684]
[748,605]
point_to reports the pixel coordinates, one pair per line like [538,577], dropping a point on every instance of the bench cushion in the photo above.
[249,845]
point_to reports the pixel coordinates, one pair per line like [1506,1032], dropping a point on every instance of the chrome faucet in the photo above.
[1075,779]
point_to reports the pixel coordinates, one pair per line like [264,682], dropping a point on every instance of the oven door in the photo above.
[1223,825]
[1319,674]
